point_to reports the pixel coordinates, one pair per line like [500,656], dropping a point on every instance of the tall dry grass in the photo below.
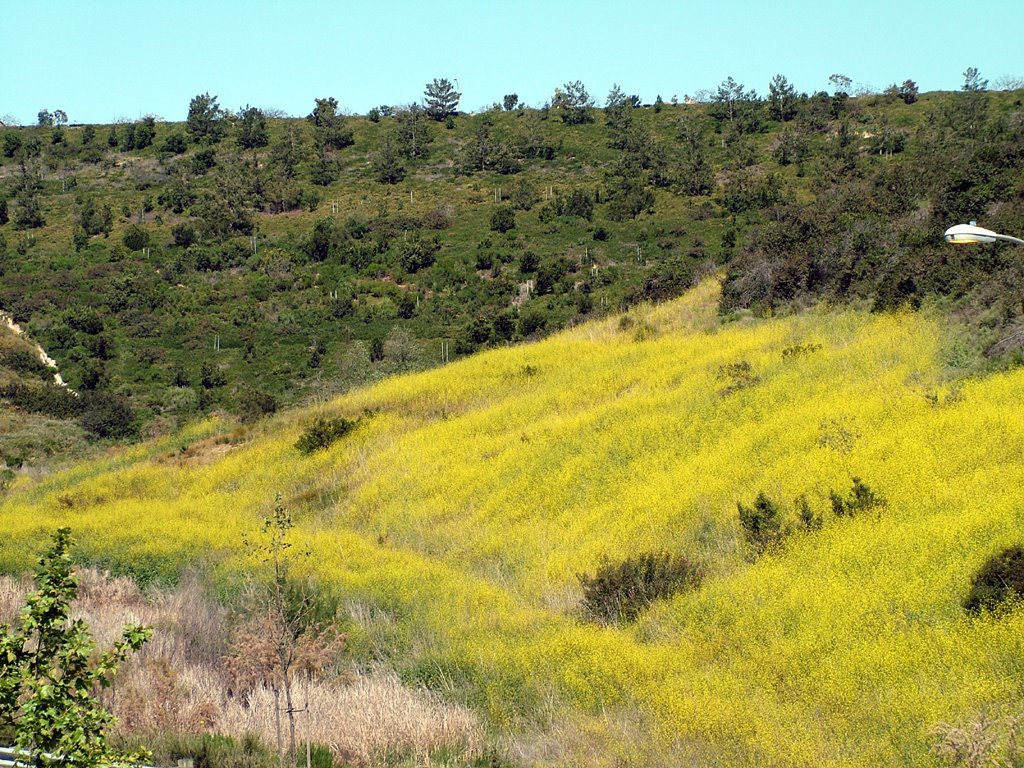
[364,719]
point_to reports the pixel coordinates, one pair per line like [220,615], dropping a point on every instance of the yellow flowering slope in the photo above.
[470,497]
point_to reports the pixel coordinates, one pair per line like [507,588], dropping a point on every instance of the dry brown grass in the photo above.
[363,720]
[12,597]
[208,449]
[984,741]
[179,683]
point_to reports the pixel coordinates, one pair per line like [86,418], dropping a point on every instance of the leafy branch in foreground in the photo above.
[49,673]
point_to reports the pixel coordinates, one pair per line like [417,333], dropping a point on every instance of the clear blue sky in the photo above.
[101,60]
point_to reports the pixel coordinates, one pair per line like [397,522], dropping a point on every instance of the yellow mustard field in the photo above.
[470,497]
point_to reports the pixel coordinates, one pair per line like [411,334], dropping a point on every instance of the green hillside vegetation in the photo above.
[36,424]
[244,262]
[655,539]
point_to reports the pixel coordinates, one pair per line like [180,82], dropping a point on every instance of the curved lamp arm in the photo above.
[960,234]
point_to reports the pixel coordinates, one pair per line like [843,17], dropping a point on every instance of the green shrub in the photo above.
[761,523]
[211,377]
[578,203]
[619,591]
[531,322]
[184,234]
[105,414]
[26,362]
[254,404]
[135,238]
[861,499]
[807,518]
[738,375]
[174,144]
[668,280]
[503,219]
[47,398]
[528,262]
[1001,578]
[319,757]
[799,350]
[323,432]
[376,349]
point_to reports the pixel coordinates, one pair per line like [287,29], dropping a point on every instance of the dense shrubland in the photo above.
[240,260]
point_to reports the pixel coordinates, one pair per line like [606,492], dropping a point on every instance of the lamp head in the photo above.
[960,234]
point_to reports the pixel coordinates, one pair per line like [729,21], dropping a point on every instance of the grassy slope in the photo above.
[465,505]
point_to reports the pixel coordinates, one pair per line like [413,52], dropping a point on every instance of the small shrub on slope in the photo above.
[807,518]
[861,499]
[761,522]
[1001,578]
[619,591]
[323,432]
[738,375]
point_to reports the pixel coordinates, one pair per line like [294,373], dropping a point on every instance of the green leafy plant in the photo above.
[799,350]
[503,219]
[49,672]
[807,518]
[619,591]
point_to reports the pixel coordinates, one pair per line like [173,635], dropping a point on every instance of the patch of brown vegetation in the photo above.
[207,450]
[182,682]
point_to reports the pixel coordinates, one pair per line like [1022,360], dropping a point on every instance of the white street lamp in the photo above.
[960,234]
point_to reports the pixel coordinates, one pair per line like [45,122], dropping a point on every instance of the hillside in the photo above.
[27,437]
[461,509]
[243,262]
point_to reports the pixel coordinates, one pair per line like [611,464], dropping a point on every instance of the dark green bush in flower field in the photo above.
[323,432]
[619,591]
[761,522]
[861,499]
[1001,578]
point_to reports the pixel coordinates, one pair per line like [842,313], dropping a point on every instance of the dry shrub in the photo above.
[156,697]
[254,656]
[191,627]
[982,742]
[98,589]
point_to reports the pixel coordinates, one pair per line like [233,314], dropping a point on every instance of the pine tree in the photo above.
[441,100]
